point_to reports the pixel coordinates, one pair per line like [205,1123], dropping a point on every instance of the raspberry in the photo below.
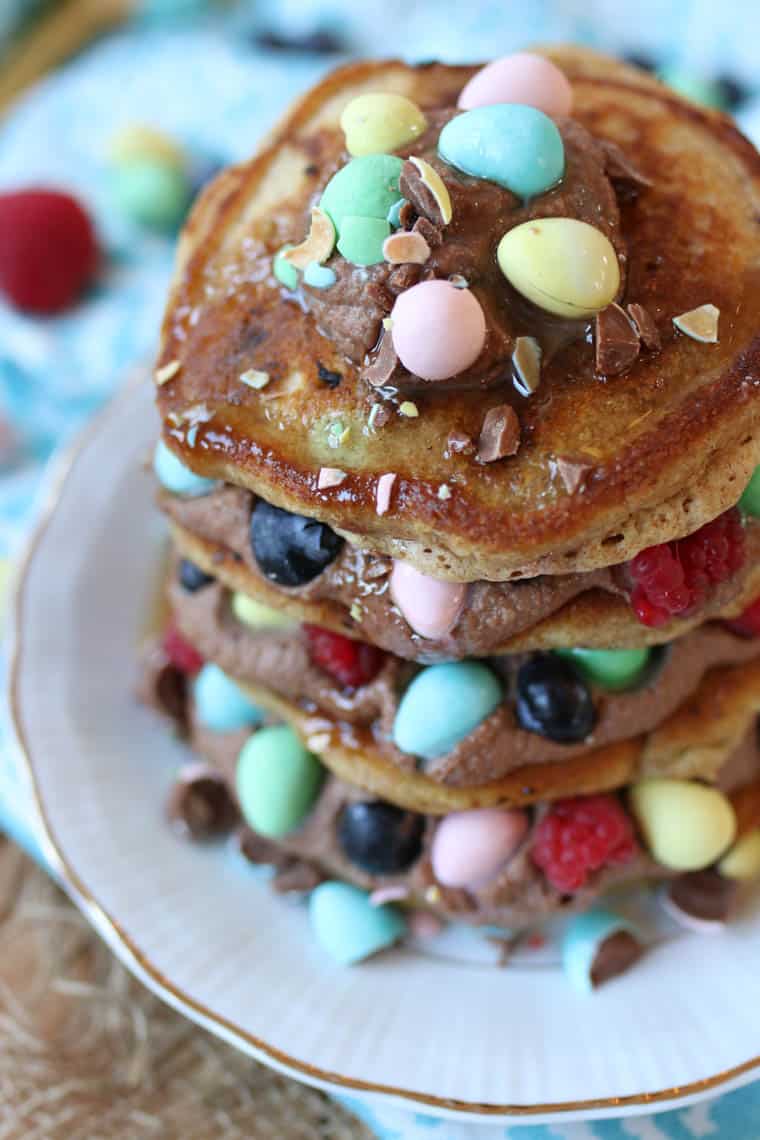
[747,624]
[48,249]
[353,663]
[674,578]
[181,653]
[581,835]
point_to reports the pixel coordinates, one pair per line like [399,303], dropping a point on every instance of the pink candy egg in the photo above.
[520,78]
[430,605]
[438,330]
[470,847]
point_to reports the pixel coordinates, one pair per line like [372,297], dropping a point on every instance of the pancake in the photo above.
[653,453]
[352,595]
[519,896]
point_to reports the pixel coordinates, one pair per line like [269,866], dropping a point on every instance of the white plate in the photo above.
[202,930]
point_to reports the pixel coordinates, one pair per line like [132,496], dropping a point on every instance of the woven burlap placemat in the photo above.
[86,1053]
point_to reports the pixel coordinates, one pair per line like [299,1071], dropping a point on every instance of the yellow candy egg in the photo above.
[381,122]
[743,860]
[564,266]
[256,615]
[685,825]
[138,142]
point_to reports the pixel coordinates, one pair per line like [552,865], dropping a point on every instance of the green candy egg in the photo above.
[613,669]
[515,146]
[154,194]
[277,781]
[285,273]
[348,927]
[361,239]
[750,500]
[365,187]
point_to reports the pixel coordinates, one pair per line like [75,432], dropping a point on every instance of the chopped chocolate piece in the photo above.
[384,491]
[429,232]
[377,292]
[526,361]
[617,341]
[645,326]
[382,368]
[415,190]
[459,443]
[499,435]
[200,806]
[619,167]
[404,248]
[705,895]
[256,849]
[170,687]
[407,215]
[297,878]
[615,954]
[572,472]
[331,379]
[403,277]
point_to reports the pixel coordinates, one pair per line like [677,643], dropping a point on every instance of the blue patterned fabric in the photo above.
[206,84]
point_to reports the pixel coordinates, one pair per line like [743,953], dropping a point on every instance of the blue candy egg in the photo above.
[348,926]
[442,705]
[515,146]
[172,474]
[583,938]
[219,703]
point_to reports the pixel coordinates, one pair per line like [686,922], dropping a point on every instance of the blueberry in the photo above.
[191,577]
[553,699]
[290,549]
[379,837]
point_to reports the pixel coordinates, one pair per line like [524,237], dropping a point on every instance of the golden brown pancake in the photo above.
[661,449]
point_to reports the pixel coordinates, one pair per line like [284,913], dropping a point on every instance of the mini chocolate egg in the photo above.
[612,669]
[277,781]
[257,615]
[470,847]
[348,927]
[596,947]
[520,78]
[220,704]
[379,122]
[750,500]
[743,860]
[366,187]
[431,606]
[442,705]
[172,474]
[685,825]
[438,330]
[564,266]
[516,147]
[361,239]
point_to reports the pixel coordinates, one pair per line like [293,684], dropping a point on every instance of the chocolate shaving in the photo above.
[499,435]
[383,298]
[459,443]
[200,805]
[256,849]
[297,878]
[331,379]
[572,472]
[619,167]
[407,215]
[426,229]
[645,327]
[404,277]
[617,953]
[384,366]
[617,341]
[170,688]
[705,895]
[415,190]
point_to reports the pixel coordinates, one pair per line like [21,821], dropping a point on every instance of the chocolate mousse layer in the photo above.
[279,660]
[355,586]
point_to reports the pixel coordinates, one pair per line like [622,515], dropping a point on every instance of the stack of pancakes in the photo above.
[463,643]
